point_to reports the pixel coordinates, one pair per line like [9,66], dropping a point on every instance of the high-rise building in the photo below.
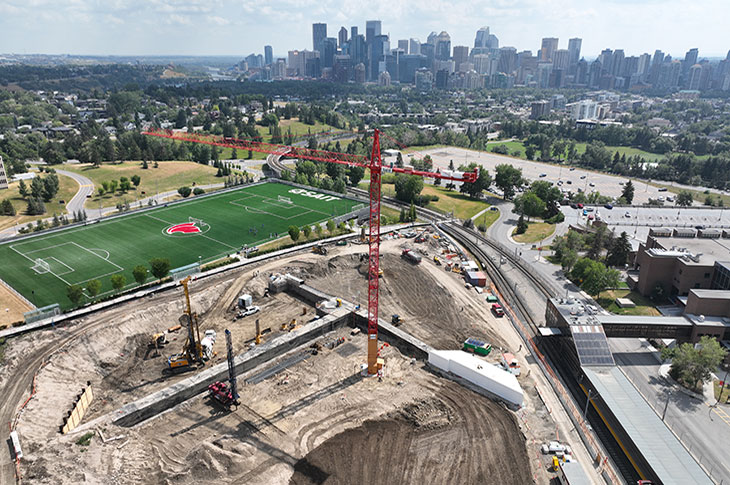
[606,59]
[342,69]
[431,39]
[644,63]
[461,55]
[384,78]
[507,60]
[268,55]
[482,37]
[443,47]
[690,59]
[353,31]
[319,34]
[561,59]
[327,54]
[377,49]
[360,73]
[695,76]
[372,30]
[618,62]
[548,48]
[414,46]
[403,45]
[342,37]
[3,176]
[574,46]
[656,64]
[358,49]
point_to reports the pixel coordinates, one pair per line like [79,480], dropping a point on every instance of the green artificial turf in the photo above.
[248,216]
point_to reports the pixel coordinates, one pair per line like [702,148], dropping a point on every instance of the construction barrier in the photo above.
[83,401]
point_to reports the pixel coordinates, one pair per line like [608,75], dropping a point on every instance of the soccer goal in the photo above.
[200,222]
[41,266]
[286,200]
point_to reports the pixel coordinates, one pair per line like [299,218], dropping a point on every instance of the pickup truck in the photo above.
[497,309]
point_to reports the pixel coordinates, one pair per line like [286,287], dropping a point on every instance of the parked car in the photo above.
[662,189]
[543,175]
[572,168]
[580,206]
[608,206]
[582,177]
[494,208]
[591,184]
[627,214]
[569,182]
[497,309]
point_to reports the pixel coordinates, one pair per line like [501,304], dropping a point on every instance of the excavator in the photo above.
[192,352]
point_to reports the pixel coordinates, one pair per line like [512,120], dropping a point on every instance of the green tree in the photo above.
[23,189]
[399,160]
[124,184]
[118,281]
[7,208]
[184,191]
[140,274]
[318,229]
[37,187]
[507,178]
[475,189]
[568,260]
[355,174]
[75,293]
[100,191]
[530,152]
[93,287]
[293,233]
[521,225]
[331,226]
[159,267]
[112,186]
[136,180]
[684,198]
[408,187]
[307,231]
[182,119]
[50,187]
[694,364]
[628,192]
[618,254]
[35,207]
[532,205]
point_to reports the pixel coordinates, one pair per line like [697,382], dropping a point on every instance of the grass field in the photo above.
[698,195]
[167,176]
[644,306]
[536,232]
[249,216]
[67,188]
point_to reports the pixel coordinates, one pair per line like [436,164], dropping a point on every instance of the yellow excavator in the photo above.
[192,352]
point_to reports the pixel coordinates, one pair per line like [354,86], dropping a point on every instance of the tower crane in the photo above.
[373,163]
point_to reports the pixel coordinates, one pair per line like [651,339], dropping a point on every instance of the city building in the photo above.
[461,55]
[268,55]
[574,46]
[319,34]
[539,109]
[414,46]
[403,45]
[342,37]
[3,175]
[583,110]
[443,46]
[384,78]
[548,48]
[372,30]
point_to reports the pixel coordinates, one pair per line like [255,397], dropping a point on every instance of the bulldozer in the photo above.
[319,249]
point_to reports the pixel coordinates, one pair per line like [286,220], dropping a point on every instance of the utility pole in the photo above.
[666,405]
[588,401]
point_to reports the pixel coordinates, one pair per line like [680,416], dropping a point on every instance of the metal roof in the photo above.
[643,320]
[591,345]
[661,449]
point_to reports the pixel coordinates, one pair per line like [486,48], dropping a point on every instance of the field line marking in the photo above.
[119,268]
[46,248]
[102,250]
[219,242]
[70,269]
[158,219]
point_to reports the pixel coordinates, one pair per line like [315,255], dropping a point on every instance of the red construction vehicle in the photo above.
[226,394]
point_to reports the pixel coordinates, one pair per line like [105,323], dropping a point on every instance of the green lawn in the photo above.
[628,151]
[511,145]
[249,216]
[67,188]
[644,306]
[167,176]
[536,232]
[697,195]
[454,201]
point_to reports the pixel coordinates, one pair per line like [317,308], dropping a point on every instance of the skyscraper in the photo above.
[403,44]
[461,55]
[561,59]
[549,46]
[319,33]
[372,30]
[342,37]
[443,46]
[414,46]
[268,55]
[574,46]
[482,37]
[327,54]
[353,31]
[643,68]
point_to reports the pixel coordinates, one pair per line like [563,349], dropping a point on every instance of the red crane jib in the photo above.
[374,164]
[302,153]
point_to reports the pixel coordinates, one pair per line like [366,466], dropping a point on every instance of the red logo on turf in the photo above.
[185,228]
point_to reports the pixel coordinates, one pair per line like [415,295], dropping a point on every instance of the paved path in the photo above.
[86,187]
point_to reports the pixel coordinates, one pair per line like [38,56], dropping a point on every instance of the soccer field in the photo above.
[205,229]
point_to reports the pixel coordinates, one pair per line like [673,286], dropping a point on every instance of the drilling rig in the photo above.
[192,352]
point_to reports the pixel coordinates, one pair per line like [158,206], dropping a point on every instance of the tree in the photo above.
[118,281]
[124,184]
[184,191]
[307,231]
[532,205]
[657,293]
[112,186]
[568,260]
[331,226]
[7,208]
[182,119]
[159,267]
[140,274]
[399,160]
[136,180]
[50,187]
[521,225]
[628,192]
[75,294]
[23,189]
[475,189]
[530,152]
[319,230]
[408,187]
[36,188]
[684,198]
[694,364]
[293,233]
[618,255]
[35,207]
[507,178]
[93,287]
[355,174]
[100,191]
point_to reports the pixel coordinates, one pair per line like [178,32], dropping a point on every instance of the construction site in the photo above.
[302,409]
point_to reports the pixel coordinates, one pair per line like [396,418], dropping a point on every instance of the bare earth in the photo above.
[11,307]
[318,421]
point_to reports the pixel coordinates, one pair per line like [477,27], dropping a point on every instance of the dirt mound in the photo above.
[426,414]
[218,459]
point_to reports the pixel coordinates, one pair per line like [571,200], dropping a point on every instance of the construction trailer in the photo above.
[477,347]
[476,278]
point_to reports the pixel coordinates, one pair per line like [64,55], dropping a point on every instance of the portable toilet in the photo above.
[245,301]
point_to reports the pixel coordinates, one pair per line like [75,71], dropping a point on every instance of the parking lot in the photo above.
[570,179]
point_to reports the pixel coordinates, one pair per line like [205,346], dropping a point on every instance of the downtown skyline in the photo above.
[223,27]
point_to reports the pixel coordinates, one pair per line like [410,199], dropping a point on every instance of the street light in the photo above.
[588,401]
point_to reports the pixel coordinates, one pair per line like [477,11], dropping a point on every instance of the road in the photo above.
[86,187]
[704,430]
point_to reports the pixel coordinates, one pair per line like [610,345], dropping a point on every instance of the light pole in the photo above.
[588,401]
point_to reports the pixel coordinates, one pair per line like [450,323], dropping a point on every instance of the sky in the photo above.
[242,27]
